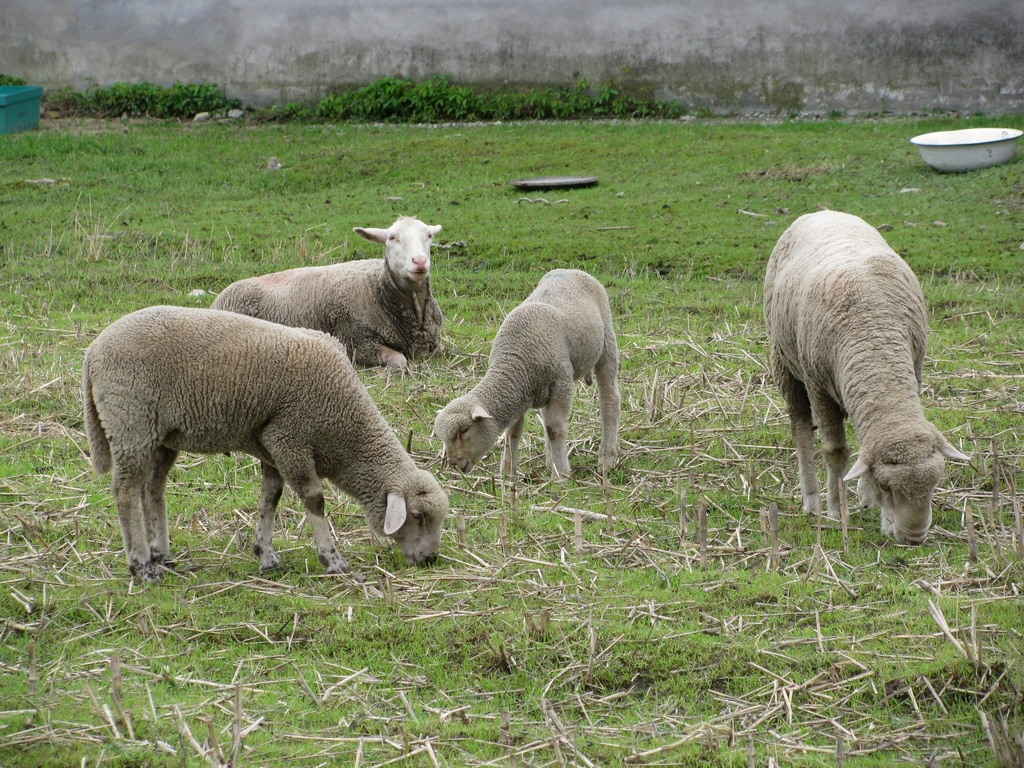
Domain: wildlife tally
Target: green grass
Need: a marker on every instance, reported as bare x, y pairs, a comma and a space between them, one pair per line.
526, 646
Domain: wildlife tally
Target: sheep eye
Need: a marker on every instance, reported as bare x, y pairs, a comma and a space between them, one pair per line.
884, 488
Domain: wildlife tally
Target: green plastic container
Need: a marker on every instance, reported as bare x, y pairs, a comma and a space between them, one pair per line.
19, 107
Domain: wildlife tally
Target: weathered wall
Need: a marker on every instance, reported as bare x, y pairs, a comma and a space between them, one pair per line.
727, 55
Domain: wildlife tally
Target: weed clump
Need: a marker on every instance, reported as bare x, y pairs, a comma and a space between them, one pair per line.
144, 100
394, 99
390, 100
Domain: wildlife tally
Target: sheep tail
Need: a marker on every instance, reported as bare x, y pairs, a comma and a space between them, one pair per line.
99, 445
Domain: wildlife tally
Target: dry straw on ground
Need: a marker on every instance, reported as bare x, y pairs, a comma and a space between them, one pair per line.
690, 440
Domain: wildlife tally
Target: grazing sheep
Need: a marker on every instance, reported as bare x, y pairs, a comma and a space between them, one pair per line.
846, 327
170, 379
561, 332
382, 310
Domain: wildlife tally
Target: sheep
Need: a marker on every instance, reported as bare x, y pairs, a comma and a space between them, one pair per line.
561, 333
168, 379
846, 326
382, 310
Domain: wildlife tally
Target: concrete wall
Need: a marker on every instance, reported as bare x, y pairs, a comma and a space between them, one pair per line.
725, 55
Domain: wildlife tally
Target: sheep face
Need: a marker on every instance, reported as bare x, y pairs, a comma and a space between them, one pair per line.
901, 484
414, 517
903, 493
406, 247
467, 430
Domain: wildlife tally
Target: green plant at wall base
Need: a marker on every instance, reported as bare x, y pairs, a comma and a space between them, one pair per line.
437, 99
390, 99
132, 99
8, 80
182, 100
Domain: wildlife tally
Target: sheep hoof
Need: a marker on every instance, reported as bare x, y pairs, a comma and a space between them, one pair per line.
269, 560
357, 577
606, 463
335, 563
148, 573
812, 506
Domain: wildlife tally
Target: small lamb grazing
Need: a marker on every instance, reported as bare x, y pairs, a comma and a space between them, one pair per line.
561, 332
168, 379
846, 327
382, 310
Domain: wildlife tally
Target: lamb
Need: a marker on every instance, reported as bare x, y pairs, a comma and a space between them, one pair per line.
561, 333
382, 310
846, 326
168, 379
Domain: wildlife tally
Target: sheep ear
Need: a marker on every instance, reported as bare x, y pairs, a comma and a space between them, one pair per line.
859, 468
394, 518
479, 412
950, 452
373, 234
434, 229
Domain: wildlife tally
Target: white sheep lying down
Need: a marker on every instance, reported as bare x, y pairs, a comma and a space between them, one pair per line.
382, 310
846, 327
562, 332
169, 379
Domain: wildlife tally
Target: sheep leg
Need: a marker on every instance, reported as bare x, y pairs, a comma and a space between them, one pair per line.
154, 505
802, 426
326, 552
511, 453
887, 522
272, 487
810, 491
391, 358
606, 372
834, 450
311, 492
555, 417
301, 475
127, 485
869, 496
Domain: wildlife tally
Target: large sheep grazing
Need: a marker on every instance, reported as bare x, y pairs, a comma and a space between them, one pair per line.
169, 379
561, 332
846, 327
382, 310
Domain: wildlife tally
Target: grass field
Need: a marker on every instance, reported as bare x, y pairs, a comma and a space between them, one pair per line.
564, 625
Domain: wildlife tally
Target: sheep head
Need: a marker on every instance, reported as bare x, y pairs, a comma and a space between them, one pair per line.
467, 430
406, 247
901, 481
415, 510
